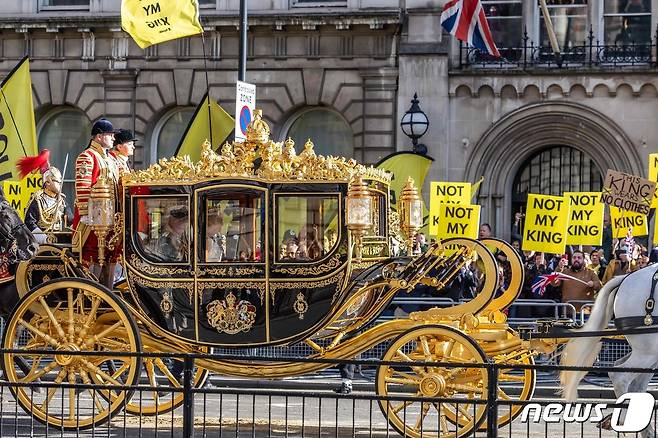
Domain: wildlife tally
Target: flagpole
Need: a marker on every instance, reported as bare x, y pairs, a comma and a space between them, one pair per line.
11, 115
242, 62
205, 69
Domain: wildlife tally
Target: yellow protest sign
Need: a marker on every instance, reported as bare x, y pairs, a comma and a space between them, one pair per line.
29, 185
13, 196
653, 176
585, 218
156, 21
622, 220
446, 193
546, 221
655, 234
458, 220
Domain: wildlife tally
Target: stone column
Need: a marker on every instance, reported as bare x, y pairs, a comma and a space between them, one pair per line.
379, 122
120, 88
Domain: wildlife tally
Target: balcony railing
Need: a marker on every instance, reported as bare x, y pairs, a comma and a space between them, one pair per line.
591, 54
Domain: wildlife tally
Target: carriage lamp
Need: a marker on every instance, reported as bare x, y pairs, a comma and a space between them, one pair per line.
101, 213
359, 212
414, 124
411, 213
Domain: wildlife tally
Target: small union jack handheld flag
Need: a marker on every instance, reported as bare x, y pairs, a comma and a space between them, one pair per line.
542, 281
629, 241
465, 20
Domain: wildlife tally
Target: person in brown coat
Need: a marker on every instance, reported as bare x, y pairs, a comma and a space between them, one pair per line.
575, 290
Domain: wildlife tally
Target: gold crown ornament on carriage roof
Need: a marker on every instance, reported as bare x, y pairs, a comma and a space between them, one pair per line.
279, 162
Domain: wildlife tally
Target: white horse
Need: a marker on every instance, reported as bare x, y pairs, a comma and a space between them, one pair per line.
626, 295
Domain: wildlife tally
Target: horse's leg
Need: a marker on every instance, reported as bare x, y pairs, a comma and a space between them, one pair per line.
641, 384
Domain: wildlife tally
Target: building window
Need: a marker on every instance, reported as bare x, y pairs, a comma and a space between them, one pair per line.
65, 132
627, 21
207, 3
317, 3
554, 171
64, 4
569, 18
330, 133
505, 22
168, 132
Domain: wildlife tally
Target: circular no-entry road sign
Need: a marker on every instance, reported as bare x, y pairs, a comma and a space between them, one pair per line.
245, 118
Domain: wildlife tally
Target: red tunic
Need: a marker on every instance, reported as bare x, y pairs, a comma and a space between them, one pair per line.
88, 167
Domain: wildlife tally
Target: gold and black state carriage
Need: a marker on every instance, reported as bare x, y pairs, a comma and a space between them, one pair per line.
255, 246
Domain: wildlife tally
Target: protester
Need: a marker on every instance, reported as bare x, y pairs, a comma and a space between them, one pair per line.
622, 264
596, 265
485, 231
574, 290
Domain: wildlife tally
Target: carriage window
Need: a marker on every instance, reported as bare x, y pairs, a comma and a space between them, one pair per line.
162, 228
307, 227
233, 228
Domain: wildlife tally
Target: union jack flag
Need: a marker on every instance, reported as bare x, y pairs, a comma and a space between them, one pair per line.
541, 282
465, 20
629, 241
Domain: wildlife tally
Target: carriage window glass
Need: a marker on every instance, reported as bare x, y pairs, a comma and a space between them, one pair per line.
162, 228
307, 227
233, 228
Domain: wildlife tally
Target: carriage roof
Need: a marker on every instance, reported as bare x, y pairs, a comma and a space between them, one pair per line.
258, 158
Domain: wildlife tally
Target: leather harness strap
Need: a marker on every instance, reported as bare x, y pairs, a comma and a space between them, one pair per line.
651, 302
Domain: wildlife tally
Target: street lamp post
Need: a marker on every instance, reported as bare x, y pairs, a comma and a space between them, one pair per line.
414, 124
242, 63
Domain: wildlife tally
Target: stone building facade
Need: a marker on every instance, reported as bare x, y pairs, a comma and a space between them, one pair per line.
344, 73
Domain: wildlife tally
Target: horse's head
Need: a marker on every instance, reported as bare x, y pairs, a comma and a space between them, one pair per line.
15, 239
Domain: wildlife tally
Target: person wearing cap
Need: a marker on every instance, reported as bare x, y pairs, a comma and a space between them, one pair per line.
93, 162
124, 148
173, 244
622, 264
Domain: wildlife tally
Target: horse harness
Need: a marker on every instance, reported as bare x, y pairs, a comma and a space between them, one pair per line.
651, 302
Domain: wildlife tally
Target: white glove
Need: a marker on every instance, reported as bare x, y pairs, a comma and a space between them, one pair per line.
84, 219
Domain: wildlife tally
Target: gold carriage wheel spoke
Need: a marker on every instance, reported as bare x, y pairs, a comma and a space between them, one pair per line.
95, 304
72, 396
96, 370
56, 324
464, 412
94, 394
114, 345
404, 375
51, 392
426, 348
511, 378
401, 381
465, 388
32, 376
95, 339
442, 417
150, 373
502, 394
417, 369
71, 319
402, 406
52, 341
122, 368
424, 409
162, 367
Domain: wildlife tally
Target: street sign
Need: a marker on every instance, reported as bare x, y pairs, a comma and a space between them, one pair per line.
245, 102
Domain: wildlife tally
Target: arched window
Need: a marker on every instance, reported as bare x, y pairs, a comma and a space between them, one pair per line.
168, 132
330, 133
64, 131
554, 171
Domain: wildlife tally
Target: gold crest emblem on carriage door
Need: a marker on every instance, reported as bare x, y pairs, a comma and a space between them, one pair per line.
300, 306
230, 317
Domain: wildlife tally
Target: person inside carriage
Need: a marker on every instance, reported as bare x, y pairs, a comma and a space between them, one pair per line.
173, 244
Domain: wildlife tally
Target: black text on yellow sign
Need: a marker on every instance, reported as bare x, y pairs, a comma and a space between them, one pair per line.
624, 220
585, 218
446, 193
458, 220
18, 193
653, 176
546, 220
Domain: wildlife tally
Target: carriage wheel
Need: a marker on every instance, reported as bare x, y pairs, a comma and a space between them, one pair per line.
71, 315
430, 419
159, 373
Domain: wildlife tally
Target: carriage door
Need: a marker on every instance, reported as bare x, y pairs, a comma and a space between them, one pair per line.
230, 282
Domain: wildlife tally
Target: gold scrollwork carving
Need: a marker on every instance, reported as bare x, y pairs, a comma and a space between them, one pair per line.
300, 306
338, 278
189, 287
45, 267
148, 268
330, 265
280, 162
232, 271
231, 317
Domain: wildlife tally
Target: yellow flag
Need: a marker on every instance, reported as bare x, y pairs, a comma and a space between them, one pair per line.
622, 220
546, 223
18, 136
155, 21
198, 129
653, 176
